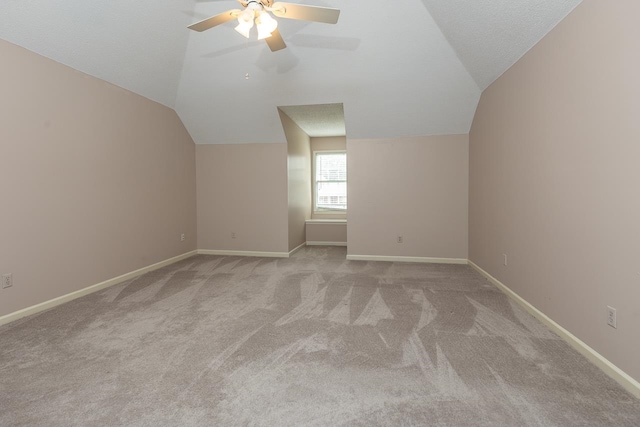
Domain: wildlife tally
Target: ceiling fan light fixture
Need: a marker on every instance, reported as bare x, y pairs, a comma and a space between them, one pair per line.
245, 22
243, 29
258, 13
263, 34
266, 25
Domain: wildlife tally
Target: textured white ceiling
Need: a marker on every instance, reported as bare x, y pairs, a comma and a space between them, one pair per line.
391, 67
318, 120
401, 68
491, 35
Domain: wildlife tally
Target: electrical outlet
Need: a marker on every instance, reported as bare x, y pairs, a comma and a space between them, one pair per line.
182, 237
611, 317
7, 280
399, 239
504, 261
233, 234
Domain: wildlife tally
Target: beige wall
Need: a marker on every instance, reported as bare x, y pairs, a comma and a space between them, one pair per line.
414, 187
95, 181
328, 143
555, 178
242, 189
326, 232
298, 179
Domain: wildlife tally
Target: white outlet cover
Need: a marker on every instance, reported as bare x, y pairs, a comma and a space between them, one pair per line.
7, 281
611, 317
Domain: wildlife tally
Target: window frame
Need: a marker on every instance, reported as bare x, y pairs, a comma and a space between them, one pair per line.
315, 207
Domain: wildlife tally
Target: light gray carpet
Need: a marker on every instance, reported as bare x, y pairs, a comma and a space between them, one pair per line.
313, 340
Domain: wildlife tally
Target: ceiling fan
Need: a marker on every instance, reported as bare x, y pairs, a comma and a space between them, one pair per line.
258, 11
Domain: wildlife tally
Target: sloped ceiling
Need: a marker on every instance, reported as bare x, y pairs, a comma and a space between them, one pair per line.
400, 68
491, 35
318, 120
138, 45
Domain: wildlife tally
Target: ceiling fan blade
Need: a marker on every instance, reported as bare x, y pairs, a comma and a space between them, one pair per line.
305, 13
215, 20
275, 42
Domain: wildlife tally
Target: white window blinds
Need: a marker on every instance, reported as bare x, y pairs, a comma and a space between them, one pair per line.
331, 181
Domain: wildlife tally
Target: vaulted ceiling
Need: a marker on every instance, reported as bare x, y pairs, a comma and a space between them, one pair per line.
400, 68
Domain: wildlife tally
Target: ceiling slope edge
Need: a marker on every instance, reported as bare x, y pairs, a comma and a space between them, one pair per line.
534, 43
141, 50
490, 37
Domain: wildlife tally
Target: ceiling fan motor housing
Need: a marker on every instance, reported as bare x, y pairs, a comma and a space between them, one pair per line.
263, 3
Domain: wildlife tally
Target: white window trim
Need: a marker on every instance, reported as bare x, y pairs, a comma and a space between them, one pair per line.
324, 211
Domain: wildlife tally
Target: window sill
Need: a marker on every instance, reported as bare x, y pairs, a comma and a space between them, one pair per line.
330, 211
326, 221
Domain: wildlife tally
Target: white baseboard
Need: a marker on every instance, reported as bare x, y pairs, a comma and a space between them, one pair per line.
296, 249
90, 289
596, 358
406, 259
257, 254
244, 253
326, 243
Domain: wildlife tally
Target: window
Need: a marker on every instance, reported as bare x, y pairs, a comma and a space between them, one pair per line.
330, 183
